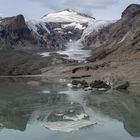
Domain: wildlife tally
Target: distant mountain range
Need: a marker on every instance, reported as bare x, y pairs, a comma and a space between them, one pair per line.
51, 32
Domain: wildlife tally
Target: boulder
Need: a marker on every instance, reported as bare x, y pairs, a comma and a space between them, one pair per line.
84, 84
78, 83
122, 86
99, 84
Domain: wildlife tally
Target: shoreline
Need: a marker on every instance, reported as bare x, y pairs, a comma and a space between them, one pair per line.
100, 70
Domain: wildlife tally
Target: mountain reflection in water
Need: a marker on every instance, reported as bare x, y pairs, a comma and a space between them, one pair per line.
51, 103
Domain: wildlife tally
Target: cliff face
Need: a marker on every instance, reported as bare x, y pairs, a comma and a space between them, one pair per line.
120, 40
14, 33
14, 24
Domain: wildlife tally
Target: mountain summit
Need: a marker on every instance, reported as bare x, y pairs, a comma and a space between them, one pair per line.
131, 11
67, 15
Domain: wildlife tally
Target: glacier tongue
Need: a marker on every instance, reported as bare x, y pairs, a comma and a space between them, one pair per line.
74, 51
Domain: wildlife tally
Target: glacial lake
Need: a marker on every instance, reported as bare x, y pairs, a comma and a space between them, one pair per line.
54, 111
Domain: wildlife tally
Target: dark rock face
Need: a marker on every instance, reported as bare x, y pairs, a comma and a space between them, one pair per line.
14, 33
14, 24
131, 11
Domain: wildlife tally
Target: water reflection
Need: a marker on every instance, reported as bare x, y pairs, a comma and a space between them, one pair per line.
22, 104
121, 106
19, 101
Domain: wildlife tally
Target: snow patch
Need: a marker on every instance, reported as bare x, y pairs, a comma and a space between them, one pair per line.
75, 25
45, 54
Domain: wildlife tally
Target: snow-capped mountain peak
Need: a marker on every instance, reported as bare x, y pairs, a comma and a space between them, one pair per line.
67, 16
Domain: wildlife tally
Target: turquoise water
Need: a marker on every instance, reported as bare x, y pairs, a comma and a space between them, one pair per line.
25, 111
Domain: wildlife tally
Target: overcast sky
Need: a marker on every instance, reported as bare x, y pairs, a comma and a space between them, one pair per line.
34, 9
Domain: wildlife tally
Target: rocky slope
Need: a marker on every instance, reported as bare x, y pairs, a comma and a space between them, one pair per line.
120, 40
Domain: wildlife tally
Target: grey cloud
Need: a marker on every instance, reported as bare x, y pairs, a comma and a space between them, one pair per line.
81, 5
100, 9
